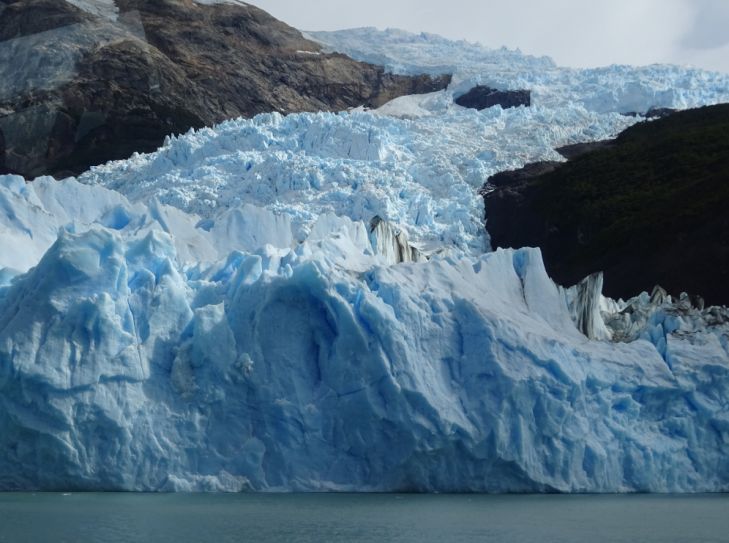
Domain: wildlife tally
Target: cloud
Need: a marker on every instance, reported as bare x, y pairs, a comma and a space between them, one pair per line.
573, 32
710, 29
706, 42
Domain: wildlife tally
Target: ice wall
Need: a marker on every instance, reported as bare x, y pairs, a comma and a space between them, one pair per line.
282, 370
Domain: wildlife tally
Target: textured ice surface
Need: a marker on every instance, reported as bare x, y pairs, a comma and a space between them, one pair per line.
224, 314
401, 51
422, 174
613, 88
418, 160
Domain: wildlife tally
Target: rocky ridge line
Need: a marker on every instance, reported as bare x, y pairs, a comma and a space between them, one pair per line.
79, 89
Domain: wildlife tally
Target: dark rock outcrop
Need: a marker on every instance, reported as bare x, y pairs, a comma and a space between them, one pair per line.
652, 113
2, 152
482, 97
570, 152
514, 178
78, 89
647, 209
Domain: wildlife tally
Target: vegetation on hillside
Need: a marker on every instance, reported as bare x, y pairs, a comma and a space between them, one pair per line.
651, 209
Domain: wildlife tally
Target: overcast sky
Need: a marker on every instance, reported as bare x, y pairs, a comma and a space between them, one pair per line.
573, 32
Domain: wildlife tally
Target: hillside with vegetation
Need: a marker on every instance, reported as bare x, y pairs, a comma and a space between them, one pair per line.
650, 208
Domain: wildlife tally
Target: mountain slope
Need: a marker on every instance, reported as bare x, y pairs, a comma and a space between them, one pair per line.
648, 209
80, 87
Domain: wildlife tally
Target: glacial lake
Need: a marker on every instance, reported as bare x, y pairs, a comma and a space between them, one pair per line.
200, 518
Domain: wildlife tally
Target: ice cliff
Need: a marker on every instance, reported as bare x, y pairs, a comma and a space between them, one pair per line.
308, 303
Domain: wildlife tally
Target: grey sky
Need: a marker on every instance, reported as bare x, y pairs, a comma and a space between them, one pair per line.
573, 32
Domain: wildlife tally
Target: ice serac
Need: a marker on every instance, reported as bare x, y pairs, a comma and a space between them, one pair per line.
391, 243
586, 303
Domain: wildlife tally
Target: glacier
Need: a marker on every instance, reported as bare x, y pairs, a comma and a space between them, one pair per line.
422, 174
616, 88
310, 302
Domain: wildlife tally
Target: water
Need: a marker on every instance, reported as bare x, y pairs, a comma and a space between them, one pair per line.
199, 518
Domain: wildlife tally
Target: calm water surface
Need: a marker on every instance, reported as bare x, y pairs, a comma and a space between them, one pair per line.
199, 518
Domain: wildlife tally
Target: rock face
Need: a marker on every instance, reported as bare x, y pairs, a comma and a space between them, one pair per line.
571, 152
482, 97
514, 178
80, 87
653, 113
648, 208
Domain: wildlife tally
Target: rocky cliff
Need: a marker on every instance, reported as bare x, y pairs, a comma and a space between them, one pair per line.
481, 97
648, 208
85, 82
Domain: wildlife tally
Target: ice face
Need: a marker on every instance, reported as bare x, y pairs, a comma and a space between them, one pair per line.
228, 314
288, 370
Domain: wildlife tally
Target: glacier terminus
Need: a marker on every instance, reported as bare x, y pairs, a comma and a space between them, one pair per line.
310, 302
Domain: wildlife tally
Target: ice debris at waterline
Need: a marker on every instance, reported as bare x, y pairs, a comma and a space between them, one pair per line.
304, 303
328, 366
